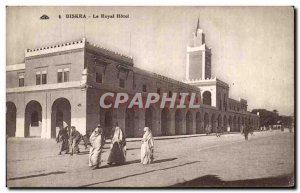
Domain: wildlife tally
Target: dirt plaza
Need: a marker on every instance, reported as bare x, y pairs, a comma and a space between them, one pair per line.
266, 159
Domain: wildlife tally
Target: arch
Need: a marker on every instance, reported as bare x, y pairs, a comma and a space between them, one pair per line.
178, 122
230, 123
206, 98
189, 122
165, 121
234, 124
33, 119
149, 117
60, 116
220, 121
256, 124
225, 124
198, 123
239, 124
108, 123
129, 122
213, 123
206, 120
11, 116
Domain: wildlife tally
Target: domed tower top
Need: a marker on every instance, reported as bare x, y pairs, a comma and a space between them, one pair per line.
199, 36
198, 57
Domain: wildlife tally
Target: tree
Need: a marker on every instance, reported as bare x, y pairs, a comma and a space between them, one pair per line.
266, 117
275, 111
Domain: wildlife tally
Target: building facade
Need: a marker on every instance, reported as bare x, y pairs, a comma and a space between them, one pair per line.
64, 83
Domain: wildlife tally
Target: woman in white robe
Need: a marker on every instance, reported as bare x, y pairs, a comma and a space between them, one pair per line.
147, 147
97, 142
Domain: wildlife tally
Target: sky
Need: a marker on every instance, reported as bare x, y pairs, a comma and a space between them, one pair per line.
252, 47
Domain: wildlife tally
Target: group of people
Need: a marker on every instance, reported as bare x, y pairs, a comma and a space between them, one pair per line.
117, 153
70, 138
219, 130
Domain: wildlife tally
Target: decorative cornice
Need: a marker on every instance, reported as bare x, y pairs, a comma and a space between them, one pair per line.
44, 87
207, 82
55, 54
198, 48
203, 47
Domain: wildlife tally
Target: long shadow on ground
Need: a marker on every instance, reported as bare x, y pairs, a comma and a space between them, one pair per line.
37, 175
214, 181
137, 161
142, 173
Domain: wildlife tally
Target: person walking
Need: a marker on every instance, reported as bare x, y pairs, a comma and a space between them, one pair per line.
147, 147
221, 130
86, 137
208, 129
75, 138
218, 131
117, 153
246, 131
62, 138
242, 129
97, 141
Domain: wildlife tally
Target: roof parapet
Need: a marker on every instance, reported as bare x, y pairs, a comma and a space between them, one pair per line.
200, 80
161, 77
242, 100
69, 46
55, 48
112, 51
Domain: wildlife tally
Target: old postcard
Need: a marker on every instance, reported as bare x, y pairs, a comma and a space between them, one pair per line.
150, 97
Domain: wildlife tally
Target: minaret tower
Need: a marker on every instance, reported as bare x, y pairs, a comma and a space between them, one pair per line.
214, 92
198, 57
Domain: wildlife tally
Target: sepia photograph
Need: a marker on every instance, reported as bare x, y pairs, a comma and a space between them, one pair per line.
150, 97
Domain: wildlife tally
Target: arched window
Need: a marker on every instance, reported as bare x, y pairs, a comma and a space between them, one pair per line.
207, 98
